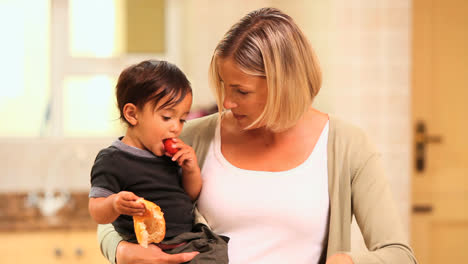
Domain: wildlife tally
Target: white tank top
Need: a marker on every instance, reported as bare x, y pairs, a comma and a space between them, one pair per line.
270, 217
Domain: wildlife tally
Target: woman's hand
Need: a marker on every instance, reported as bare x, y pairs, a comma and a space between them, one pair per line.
129, 253
340, 259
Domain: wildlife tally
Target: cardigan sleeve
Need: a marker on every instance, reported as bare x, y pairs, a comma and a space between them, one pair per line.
109, 240
377, 216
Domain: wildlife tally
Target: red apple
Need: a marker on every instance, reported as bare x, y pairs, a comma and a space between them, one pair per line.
170, 146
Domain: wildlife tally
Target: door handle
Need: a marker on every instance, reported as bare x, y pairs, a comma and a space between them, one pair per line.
421, 140
422, 208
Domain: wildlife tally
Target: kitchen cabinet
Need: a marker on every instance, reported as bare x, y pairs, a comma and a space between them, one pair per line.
51, 247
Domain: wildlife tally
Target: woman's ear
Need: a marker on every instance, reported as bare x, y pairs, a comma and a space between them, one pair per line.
130, 112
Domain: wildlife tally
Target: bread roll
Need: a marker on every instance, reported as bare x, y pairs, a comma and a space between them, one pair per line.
151, 227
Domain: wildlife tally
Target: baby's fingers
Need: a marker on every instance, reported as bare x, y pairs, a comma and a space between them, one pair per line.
132, 211
129, 196
181, 156
132, 204
133, 208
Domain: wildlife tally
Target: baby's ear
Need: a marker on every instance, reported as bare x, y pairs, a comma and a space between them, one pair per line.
130, 112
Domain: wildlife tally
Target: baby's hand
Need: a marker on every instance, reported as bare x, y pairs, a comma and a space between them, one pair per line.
126, 203
185, 156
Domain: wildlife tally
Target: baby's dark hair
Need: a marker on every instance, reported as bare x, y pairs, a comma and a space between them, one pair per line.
151, 80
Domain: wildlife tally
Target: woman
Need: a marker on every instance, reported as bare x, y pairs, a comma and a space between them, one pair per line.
280, 178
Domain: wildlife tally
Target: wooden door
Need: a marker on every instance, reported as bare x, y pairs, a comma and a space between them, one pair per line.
439, 228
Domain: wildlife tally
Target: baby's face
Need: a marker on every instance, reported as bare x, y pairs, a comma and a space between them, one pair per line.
155, 125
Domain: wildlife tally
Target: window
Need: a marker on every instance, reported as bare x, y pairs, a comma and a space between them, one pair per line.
63, 57
25, 64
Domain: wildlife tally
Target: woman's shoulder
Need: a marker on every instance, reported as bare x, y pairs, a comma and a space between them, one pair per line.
199, 126
345, 135
344, 129
205, 121
349, 144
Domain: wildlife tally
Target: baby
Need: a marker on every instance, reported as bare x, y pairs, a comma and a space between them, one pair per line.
154, 99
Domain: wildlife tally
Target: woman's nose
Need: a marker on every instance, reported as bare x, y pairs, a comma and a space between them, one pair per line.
228, 103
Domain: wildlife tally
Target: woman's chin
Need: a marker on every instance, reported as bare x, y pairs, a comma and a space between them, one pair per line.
242, 123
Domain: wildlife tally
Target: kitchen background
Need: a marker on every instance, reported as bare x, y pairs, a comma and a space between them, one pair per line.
60, 61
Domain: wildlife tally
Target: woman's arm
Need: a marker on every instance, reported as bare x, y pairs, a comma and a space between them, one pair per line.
121, 252
359, 187
377, 216
340, 258
109, 240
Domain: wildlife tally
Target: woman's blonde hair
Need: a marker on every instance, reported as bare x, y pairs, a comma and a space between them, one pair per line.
268, 43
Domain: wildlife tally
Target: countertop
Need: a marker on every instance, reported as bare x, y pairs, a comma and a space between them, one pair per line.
17, 215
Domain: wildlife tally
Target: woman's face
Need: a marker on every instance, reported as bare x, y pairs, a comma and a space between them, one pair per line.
245, 95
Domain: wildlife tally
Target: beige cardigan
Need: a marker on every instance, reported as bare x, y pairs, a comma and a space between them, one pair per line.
357, 186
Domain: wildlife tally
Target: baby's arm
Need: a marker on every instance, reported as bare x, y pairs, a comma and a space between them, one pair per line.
192, 182
105, 210
191, 176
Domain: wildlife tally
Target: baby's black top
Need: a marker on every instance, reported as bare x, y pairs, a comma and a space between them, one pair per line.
158, 179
